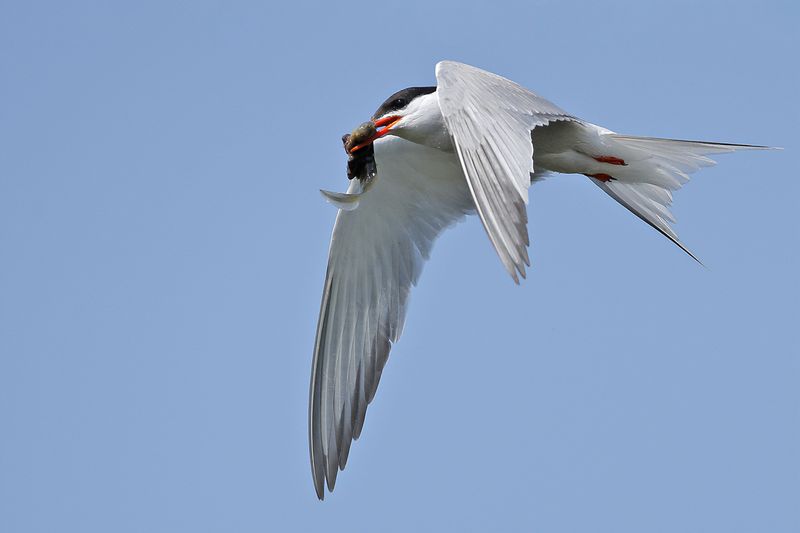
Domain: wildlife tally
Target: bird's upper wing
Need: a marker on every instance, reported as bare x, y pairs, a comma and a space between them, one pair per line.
490, 119
376, 255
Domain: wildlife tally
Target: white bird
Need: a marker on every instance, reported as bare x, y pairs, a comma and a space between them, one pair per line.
474, 143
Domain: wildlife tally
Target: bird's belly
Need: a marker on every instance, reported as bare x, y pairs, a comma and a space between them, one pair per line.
566, 162
568, 147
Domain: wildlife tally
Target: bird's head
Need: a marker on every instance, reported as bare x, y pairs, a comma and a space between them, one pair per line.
397, 115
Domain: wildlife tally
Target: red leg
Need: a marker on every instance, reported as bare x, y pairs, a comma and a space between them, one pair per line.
610, 159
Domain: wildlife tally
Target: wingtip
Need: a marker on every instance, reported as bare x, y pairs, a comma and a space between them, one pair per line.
321, 481
319, 485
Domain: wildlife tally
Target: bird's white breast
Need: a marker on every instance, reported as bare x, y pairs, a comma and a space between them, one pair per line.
406, 170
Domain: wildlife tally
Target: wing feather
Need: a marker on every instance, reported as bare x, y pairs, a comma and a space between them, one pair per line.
490, 119
376, 255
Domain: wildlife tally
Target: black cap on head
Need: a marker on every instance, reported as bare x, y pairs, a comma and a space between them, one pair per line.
401, 99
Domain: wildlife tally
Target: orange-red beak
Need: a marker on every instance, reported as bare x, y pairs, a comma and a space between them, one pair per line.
382, 125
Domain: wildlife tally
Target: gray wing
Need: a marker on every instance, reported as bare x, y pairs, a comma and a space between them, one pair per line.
490, 119
376, 255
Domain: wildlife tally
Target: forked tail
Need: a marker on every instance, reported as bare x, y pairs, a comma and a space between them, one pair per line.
641, 172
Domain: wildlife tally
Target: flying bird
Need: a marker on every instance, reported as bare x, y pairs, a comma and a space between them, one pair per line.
474, 143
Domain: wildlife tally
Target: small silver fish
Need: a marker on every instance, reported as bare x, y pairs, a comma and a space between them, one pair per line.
362, 134
360, 165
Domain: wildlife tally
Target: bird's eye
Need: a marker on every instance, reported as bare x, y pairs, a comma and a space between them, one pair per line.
399, 103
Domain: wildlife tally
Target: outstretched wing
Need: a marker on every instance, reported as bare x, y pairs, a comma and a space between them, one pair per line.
490, 119
376, 255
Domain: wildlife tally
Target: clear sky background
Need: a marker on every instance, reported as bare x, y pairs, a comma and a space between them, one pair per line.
163, 248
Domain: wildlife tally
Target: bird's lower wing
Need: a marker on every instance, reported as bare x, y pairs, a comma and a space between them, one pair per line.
490, 119
376, 255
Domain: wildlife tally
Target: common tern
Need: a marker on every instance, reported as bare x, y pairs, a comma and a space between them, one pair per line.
473, 143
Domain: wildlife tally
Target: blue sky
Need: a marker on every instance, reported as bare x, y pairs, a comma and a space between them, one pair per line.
163, 246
